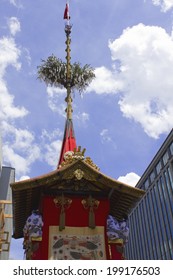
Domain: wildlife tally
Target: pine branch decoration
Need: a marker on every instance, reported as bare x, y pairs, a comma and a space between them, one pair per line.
53, 72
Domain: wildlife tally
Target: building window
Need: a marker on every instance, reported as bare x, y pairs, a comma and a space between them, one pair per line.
158, 167
146, 184
168, 187
171, 148
171, 177
167, 219
152, 176
165, 158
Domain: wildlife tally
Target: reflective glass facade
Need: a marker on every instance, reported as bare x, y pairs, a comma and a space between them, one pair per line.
151, 222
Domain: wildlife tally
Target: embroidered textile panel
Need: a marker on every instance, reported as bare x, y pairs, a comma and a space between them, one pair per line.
77, 243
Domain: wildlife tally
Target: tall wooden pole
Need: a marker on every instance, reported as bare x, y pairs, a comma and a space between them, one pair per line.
68, 99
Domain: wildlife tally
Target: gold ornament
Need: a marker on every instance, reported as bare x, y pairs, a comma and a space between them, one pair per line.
78, 173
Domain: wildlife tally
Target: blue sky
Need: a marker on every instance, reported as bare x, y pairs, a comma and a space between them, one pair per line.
125, 114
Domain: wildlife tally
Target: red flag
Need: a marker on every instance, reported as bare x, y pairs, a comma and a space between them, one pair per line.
66, 12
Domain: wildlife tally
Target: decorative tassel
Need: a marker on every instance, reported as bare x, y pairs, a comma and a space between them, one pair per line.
92, 204
63, 203
62, 219
91, 218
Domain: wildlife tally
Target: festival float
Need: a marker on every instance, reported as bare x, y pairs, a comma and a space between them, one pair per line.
74, 212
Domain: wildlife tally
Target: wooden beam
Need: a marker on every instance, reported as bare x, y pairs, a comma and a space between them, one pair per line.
8, 216
5, 202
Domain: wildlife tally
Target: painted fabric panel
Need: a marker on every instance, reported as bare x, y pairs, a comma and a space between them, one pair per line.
77, 243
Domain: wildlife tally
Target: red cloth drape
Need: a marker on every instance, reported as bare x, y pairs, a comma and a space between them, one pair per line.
69, 140
76, 215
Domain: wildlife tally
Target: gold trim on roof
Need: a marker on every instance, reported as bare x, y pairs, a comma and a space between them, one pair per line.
72, 156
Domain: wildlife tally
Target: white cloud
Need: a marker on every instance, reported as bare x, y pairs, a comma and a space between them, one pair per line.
16, 3
106, 81
24, 178
145, 55
19, 148
13, 2
129, 179
56, 98
47, 135
51, 146
53, 90
14, 25
105, 137
52, 153
142, 76
165, 5
27, 56
15, 160
9, 55
7, 108
82, 117
21, 161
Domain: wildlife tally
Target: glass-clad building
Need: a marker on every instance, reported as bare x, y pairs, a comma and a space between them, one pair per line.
151, 222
